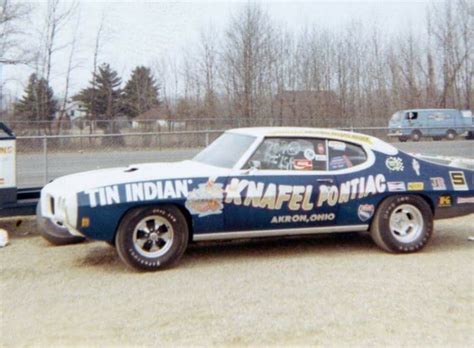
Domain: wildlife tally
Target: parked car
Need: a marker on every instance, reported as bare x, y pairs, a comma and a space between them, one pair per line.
435, 123
259, 182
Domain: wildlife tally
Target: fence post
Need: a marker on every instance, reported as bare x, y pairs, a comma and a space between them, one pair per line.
45, 158
207, 139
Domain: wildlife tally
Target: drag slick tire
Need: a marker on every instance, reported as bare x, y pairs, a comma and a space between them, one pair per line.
152, 238
402, 224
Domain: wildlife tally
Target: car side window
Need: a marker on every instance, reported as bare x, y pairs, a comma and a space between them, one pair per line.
344, 155
411, 115
290, 154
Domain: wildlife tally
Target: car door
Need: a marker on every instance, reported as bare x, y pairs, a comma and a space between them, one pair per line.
285, 184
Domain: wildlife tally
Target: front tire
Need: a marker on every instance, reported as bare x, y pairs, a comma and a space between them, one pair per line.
402, 139
152, 238
416, 135
402, 224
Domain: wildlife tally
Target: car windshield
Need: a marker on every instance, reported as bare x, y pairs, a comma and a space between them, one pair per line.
226, 150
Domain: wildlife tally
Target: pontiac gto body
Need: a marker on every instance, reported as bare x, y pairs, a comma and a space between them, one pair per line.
258, 182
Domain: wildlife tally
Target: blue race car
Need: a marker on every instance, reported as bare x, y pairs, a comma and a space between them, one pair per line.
258, 182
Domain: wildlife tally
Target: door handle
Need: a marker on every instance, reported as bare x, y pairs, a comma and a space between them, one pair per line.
325, 181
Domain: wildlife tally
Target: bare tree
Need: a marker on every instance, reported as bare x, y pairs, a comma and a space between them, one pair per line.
247, 56
72, 64
12, 32
57, 16
207, 66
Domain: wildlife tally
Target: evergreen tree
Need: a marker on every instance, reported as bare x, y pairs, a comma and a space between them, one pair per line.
37, 103
102, 99
140, 93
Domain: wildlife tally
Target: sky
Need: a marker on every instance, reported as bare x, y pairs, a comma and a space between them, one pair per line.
145, 32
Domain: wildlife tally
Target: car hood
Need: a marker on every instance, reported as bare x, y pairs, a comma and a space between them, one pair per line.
134, 173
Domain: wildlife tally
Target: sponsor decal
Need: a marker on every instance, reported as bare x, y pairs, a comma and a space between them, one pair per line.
302, 164
337, 145
333, 133
309, 154
445, 201
206, 199
137, 192
416, 166
7, 163
339, 162
465, 200
293, 148
438, 184
268, 196
303, 218
394, 164
298, 197
458, 180
416, 186
6, 150
365, 211
396, 186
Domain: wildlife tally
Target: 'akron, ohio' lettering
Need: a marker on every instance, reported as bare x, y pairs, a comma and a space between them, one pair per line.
136, 192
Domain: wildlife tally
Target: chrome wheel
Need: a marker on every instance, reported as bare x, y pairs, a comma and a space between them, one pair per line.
153, 236
406, 223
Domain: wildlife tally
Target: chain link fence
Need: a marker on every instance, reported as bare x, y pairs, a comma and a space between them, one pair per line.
42, 158
83, 126
45, 157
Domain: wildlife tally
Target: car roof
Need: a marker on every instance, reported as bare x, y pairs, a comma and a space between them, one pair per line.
428, 110
302, 132
329, 133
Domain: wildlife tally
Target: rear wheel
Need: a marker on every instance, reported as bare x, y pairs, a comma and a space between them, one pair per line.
451, 134
152, 238
402, 224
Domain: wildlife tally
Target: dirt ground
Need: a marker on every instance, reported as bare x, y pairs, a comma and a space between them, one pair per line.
331, 290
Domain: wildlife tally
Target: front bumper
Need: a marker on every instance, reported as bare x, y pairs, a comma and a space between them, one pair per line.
56, 234
395, 134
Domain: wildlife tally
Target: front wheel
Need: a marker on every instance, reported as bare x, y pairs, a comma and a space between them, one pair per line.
402, 139
416, 135
402, 224
152, 238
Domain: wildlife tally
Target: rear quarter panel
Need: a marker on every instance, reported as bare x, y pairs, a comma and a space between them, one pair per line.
448, 190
